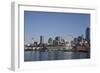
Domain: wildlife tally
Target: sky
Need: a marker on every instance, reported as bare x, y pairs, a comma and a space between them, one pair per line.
52, 24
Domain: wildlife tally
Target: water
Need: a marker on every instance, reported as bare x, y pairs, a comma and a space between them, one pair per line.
53, 55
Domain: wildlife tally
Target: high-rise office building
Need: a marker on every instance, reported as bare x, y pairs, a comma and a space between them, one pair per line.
87, 33
50, 41
58, 40
41, 39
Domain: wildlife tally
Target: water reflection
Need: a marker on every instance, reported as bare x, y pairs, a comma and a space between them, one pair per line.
53, 55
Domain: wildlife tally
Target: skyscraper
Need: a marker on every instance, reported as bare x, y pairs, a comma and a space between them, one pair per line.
58, 40
87, 33
41, 39
50, 41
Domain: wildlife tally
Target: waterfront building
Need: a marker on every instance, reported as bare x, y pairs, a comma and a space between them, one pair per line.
35, 43
32, 40
55, 43
79, 38
63, 42
41, 40
50, 41
68, 45
87, 33
57, 40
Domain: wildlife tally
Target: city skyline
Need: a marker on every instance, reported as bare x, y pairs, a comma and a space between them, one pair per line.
51, 24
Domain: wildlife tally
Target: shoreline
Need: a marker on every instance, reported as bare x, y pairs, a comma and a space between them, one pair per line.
57, 50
